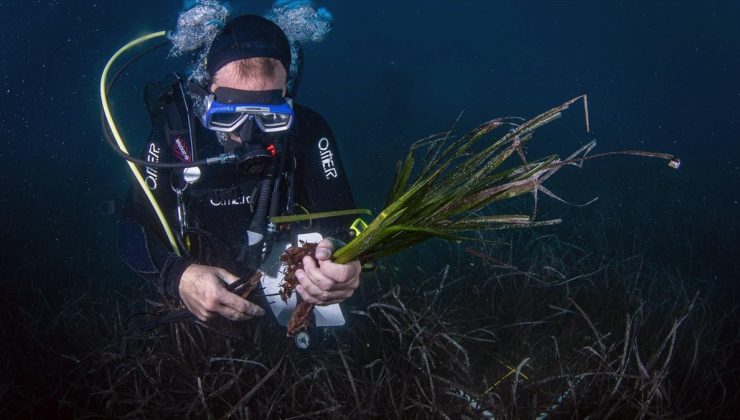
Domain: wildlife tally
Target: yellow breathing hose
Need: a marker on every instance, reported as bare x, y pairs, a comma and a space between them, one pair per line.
119, 139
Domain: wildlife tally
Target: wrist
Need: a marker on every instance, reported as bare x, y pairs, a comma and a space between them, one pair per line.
174, 275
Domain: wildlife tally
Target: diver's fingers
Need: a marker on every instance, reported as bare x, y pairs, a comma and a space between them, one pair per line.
344, 275
329, 275
202, 312
239, 304
226, 276
324, 249
232, 314
312, 273
312, 294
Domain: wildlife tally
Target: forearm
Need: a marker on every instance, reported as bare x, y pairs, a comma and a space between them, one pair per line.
149, 258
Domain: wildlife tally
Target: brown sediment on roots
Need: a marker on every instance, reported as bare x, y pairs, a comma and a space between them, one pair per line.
293, 260
300, 319
251, 284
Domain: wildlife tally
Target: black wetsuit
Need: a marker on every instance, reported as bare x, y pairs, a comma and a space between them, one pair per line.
220, 204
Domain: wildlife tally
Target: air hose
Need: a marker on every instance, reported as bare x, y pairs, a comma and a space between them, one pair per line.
119, 140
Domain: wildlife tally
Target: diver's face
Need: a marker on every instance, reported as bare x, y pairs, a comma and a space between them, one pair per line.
229, 77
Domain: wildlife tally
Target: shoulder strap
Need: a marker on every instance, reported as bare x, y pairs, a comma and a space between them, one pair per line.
170, 112
173, 126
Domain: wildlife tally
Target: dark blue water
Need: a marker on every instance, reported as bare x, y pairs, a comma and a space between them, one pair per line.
660, 76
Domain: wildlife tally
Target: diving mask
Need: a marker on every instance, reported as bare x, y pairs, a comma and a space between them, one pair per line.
226, 110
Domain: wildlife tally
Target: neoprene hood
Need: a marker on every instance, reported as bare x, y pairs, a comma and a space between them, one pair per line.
248, 36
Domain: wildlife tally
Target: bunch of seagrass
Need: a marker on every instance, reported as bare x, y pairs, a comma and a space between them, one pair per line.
442, 200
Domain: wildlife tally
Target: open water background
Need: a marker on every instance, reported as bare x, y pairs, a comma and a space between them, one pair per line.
661, 76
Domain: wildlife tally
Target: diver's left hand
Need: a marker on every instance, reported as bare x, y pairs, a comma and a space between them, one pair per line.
327, 282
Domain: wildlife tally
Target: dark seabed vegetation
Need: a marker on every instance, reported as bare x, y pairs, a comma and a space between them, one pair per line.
627, 309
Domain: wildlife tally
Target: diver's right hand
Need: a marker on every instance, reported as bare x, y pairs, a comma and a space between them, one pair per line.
203, 293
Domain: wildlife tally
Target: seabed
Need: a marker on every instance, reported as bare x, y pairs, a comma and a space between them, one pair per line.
536, 327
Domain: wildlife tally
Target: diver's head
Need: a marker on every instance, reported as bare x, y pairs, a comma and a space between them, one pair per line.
248, 36
250, 80
253, 74
248, 62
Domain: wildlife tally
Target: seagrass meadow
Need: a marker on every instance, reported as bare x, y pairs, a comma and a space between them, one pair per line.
518, 274
521, 329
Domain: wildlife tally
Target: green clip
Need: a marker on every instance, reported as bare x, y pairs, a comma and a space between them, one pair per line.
358, 226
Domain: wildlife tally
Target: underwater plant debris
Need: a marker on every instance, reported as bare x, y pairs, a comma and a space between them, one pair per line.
443, 199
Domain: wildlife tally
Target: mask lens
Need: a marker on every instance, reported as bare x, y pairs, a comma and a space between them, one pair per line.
227, 119
274, 122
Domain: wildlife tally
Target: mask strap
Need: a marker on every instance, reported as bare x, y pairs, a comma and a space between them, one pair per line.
198, 90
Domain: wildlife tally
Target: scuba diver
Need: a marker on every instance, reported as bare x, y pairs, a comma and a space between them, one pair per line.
277, 158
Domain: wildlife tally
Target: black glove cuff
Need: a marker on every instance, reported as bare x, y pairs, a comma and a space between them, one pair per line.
172, 275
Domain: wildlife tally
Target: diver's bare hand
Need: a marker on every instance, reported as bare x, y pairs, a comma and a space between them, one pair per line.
203, 293
327, 282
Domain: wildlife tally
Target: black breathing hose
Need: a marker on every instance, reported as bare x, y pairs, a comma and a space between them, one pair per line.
268, 201
259, 218
275, 201
109, 136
